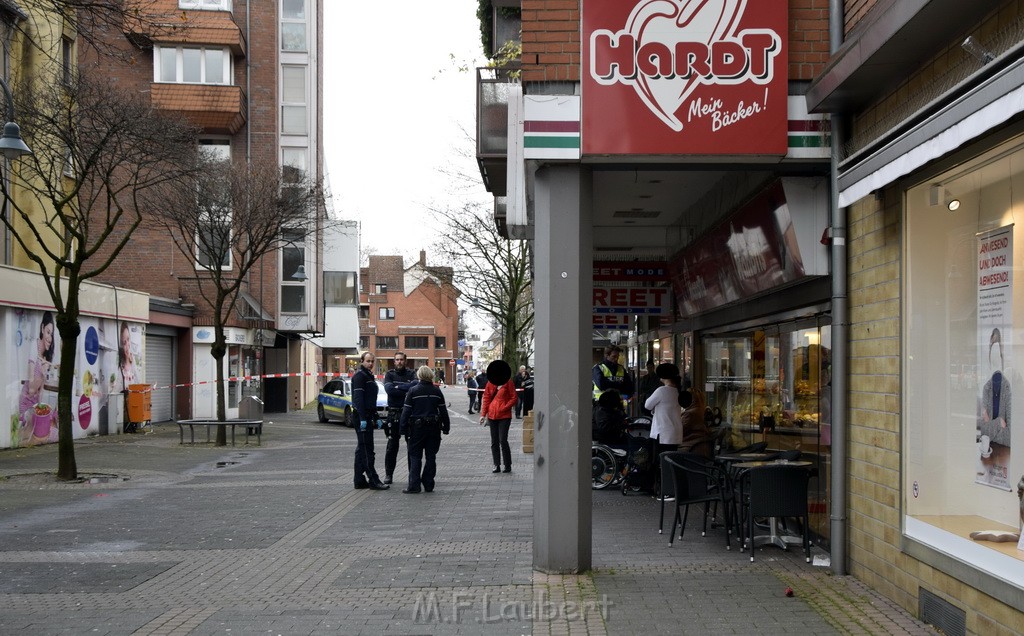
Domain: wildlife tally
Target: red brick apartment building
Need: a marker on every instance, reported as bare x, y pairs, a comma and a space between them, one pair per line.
412, 309
248, 74
890, 176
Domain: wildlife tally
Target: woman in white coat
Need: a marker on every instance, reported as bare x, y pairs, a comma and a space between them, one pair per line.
667, 421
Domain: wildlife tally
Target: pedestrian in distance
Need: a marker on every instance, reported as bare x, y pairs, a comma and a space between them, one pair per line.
481, 384
471, 389
528, 393
364, 401
424, 420
496, 411
397, 382
521, 377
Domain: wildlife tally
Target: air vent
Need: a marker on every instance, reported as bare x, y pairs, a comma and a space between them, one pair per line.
948, 618
636, 214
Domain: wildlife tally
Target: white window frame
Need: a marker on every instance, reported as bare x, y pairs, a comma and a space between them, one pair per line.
227, 70
304, 22
219, 143
206, 5
303, 105
288, 243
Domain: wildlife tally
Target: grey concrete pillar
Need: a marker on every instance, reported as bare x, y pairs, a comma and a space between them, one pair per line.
563, 300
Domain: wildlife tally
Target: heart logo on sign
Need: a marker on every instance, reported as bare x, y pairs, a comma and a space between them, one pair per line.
669, 22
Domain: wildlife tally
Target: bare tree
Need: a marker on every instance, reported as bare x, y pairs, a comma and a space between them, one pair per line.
495, 272
102, 156
226, 220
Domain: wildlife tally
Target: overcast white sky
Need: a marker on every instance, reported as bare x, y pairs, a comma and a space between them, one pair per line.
393, 105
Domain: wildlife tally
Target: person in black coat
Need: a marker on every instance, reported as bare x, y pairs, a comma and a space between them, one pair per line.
471, 389
481, 384
364, 401
397, 382
424, 419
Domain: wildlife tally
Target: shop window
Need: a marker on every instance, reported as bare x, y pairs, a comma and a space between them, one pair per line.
961, 332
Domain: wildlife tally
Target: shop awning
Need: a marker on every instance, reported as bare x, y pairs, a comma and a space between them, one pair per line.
987, 106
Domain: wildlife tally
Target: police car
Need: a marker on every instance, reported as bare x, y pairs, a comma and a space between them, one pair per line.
335, 402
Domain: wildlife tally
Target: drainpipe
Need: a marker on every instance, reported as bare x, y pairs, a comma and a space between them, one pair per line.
840, 324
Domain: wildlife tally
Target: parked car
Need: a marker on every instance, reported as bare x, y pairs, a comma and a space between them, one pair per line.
335, 402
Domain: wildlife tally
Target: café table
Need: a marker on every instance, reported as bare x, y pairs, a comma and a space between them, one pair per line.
774, 537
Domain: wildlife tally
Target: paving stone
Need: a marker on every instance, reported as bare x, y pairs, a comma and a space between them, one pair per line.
172, 539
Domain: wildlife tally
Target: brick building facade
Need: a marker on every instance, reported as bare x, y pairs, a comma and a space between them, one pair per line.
255, 97
412, 309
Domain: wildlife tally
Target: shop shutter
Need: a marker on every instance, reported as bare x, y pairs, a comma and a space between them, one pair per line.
160, 371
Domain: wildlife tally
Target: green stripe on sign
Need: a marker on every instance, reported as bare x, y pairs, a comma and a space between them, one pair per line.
551, 142
807, 141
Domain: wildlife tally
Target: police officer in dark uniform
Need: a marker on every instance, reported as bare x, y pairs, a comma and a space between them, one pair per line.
397, 382
364, 400
424, 419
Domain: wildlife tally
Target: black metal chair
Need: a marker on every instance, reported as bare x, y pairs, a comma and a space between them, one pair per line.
666, 487
778, 490
696, 480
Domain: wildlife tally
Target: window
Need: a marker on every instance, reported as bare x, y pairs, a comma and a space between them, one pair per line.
293, 25
961, 325
387, 342
340, 288
380, 288
192, 65
293, 279
293, 100
67, 60
440, 342
294, 162
416, 342
386, 313
364, 312
213, 240
212, 5
364, 343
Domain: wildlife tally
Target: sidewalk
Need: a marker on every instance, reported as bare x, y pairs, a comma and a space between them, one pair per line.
168, 539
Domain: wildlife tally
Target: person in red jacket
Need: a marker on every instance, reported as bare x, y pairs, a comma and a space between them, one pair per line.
496, 411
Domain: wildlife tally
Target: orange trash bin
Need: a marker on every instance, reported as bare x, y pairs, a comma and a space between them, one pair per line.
139, 403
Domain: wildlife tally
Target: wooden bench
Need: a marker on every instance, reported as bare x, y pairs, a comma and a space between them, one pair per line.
252, 427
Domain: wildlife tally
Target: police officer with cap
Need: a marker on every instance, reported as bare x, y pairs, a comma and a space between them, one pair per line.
397, 383
424, 419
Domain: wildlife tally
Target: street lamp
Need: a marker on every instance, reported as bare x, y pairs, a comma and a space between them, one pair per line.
11, 144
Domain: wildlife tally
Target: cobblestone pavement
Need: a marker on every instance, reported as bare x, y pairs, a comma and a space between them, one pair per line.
160, 538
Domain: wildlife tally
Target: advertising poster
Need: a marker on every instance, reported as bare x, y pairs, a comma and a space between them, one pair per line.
997, 377
36, 362
109, 352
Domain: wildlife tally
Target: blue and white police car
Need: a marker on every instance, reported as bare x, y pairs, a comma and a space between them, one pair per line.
335, 402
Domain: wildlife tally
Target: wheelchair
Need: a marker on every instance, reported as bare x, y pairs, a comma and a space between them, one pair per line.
624, 467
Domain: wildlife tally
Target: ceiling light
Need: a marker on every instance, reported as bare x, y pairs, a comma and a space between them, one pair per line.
953, 205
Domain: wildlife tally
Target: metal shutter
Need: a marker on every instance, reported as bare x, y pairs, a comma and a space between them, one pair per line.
160, 371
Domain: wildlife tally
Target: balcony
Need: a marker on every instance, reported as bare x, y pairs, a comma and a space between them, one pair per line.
492, 94
214, 109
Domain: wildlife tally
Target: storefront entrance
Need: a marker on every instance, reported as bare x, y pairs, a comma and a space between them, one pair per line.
773, 384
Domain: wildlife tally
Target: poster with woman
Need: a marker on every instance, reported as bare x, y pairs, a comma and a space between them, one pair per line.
36, 357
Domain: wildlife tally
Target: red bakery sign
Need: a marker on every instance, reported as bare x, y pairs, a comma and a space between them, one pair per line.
695, 77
